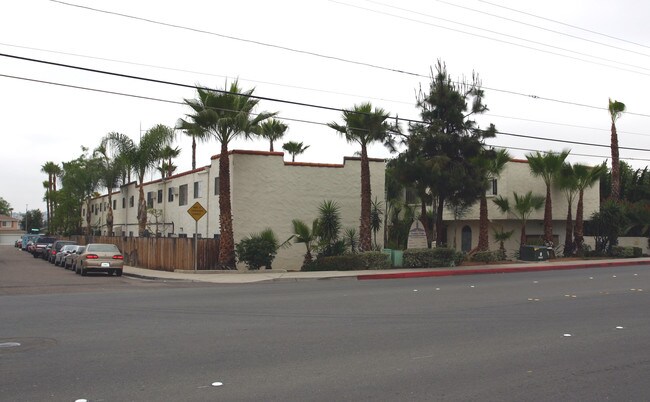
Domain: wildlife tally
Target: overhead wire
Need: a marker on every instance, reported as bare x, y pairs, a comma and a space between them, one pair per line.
564, 23
401, 71
287, 118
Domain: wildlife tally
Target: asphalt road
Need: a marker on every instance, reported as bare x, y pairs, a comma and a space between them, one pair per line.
469, 338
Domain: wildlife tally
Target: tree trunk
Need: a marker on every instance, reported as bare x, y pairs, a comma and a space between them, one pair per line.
578, 233
440, 228
193, 153
483, 238
271, 147
365, 239
548, 216
616, 167
109, 214
226, 239
142, 208
424, 219
522, 238
568, 239
88, 217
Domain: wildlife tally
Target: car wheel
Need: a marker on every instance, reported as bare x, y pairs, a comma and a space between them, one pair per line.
84, 271
118, 272
34, 255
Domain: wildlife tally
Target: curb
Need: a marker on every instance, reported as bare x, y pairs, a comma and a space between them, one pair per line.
503, 270
155, 278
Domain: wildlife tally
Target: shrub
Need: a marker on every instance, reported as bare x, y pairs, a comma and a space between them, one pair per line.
375, 260
638, 252
258, 250
431, 257
488, 256
347, 262
622, 252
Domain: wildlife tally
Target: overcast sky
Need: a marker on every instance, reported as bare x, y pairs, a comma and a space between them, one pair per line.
539, 76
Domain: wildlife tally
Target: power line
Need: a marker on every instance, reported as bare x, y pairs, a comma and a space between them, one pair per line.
534, 26
503, 41
288, 49
348, 60
298, 120
571, 154
302, 88
564, 23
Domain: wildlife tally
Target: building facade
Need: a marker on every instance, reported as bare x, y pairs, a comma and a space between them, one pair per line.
9, 230
266, 192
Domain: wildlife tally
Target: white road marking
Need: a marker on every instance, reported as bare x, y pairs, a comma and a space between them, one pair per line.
217, 384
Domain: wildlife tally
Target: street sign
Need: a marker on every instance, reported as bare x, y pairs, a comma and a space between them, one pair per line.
197, 211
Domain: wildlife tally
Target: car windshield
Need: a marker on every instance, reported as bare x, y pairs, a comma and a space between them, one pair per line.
45, 240
68, 248
107, 248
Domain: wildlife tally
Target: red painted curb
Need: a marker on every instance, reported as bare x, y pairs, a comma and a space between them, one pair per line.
502, 270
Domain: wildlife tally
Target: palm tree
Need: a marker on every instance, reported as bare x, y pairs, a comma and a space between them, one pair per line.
225, 114
166, 155
502, 236
303, 234
615, 109
568, 183
547, 166
376, 220
493, 168
196, 133
53, 171
523, 207
586, 177
294, 148
143, 157
364, 126
110, 176
272, 130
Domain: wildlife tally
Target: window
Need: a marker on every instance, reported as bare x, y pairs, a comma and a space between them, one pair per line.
150, 199
411, 196
5, 224
92, 208
131, 201
114, 204
160, 196
182, 195
198, 193
216, 186
170, 194
492, 187
123, 202
83, 212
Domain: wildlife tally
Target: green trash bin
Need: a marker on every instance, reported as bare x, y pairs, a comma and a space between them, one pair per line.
398, 258
389, 253
533, 253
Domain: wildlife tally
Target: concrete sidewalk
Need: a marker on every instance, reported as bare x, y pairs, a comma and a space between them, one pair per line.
262, 275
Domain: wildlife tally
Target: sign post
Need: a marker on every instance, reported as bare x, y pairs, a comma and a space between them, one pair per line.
196, 211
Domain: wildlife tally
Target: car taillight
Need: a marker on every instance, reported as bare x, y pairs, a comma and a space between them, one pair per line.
53, 252
118, 257
92, 257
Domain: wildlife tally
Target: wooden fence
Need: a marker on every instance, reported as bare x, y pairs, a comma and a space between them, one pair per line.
161, 253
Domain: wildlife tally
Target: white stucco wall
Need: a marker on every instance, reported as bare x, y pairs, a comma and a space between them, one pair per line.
266, 192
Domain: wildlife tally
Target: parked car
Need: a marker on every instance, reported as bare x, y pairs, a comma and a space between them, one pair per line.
26, 240
100, 257
56, 247
70, 260
46, 253
38, 248
18, 243
65, 250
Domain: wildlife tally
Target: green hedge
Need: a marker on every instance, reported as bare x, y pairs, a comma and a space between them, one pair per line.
488, 256
626, 252
350, 262
432, 257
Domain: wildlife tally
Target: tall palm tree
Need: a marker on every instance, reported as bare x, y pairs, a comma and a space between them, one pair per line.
225, 114
294, 148
615, 109
52, 170
492, 168
586, 177
366, 126
547, 166
196, 133
272, 130
522, 208
143, 157
111, 174
166, 155
568, 182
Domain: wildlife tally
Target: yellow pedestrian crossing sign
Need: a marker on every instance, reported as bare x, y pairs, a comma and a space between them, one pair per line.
197, 211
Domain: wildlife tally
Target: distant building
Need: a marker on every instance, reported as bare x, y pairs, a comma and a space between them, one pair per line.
9, 230
266, 192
